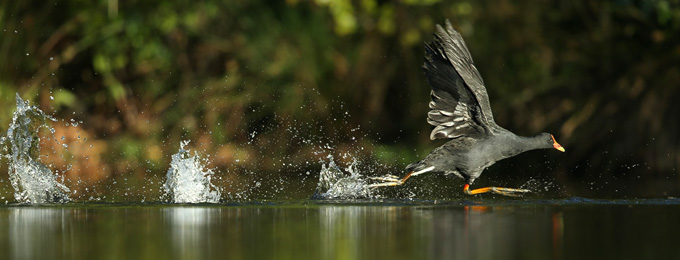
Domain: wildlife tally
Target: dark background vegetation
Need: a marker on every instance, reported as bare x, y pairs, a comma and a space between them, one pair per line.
270, 88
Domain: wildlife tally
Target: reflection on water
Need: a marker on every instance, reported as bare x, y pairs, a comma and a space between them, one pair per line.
190, 228
462, 231
26, 228
468, 232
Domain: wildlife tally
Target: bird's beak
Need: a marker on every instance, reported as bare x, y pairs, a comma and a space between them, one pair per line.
556, 145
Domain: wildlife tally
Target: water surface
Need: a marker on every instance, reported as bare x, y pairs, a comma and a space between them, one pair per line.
562, 229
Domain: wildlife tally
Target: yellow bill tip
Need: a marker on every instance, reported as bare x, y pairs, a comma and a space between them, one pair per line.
556, 145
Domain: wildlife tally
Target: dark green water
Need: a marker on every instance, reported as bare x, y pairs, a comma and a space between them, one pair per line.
557, 229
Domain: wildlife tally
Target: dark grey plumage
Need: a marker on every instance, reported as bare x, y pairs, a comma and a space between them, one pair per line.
460, 110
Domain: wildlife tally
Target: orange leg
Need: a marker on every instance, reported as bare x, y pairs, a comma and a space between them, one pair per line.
406, 177
498, 190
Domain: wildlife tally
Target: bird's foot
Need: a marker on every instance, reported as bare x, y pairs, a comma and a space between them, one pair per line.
510, 192
391, 180
386, 181
386, 177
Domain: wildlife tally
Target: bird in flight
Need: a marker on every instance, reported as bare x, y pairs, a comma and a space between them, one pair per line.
460, 111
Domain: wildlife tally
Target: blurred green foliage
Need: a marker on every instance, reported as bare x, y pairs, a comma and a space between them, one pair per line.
262, 84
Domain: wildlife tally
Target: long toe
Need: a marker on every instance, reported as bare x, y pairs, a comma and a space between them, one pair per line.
386, 178
384, 184
510, 192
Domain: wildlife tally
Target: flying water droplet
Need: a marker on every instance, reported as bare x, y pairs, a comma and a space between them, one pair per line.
188, 181
33, 182
335, 184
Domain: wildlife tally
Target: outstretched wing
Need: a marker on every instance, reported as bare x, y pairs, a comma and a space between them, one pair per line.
460, 105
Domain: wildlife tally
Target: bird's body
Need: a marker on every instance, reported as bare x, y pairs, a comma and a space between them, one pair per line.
460, 110
467, 157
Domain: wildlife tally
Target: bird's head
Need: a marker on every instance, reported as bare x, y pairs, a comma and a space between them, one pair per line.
548, 141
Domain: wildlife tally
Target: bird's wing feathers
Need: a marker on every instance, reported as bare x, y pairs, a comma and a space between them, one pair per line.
460, 105
449, 110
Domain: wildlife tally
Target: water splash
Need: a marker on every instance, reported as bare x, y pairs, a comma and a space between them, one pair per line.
32, 181
334, 184
188, 181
